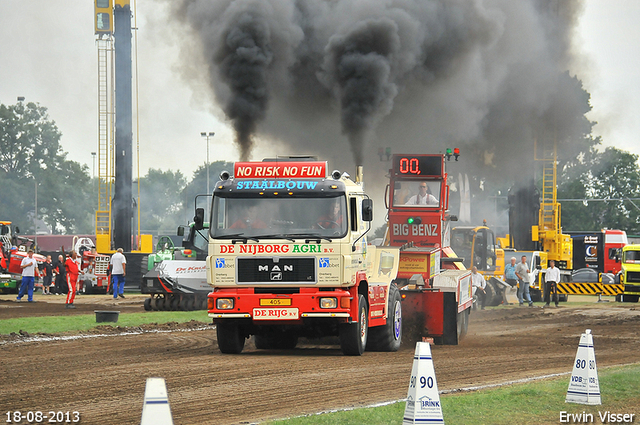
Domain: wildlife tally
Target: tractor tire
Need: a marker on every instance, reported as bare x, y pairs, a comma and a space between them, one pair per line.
190, 301
353, 336
154, 303
147, 304
389, 336
230, 338
175, 303
493, 297
166, 303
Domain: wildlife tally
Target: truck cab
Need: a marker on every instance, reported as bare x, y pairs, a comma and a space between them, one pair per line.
629, 274
288, 257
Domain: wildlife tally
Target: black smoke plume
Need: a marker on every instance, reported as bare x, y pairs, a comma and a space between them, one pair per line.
326, 77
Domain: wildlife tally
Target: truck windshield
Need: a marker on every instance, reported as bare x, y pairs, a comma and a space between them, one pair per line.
275, 218
409, 193
631, 257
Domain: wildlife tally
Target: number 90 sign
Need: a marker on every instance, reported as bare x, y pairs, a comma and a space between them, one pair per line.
425, 381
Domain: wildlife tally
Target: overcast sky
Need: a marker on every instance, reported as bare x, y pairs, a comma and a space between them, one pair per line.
48, 55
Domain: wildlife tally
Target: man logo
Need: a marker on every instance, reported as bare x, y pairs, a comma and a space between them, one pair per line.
275, 268
324, 262
276, 275
220, 263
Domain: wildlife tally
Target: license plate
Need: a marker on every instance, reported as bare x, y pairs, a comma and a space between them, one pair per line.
275, 314
275, 301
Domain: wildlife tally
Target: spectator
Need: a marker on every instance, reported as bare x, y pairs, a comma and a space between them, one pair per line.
510, 273
48, 276
118, 272
71, 267
29, 271
551, 279
479, 286
61, 276
522, 271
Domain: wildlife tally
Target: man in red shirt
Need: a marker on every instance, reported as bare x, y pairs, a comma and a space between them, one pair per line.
72, 277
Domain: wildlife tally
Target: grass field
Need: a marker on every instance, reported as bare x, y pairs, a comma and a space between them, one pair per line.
59, 324
534, 403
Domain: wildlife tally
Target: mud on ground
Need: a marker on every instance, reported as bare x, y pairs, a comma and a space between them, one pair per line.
103, 374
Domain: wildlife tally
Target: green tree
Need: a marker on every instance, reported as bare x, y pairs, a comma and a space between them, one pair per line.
610, 178
198, 186
30, 152
161, 202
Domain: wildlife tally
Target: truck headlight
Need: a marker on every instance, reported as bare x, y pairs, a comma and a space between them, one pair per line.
328, 302
224, 303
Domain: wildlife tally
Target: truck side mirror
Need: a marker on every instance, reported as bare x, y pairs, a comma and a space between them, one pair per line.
17, 230
367, 210
198, 220
180, 231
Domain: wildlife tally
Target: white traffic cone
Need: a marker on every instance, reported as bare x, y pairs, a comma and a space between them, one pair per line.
584, 387
423, 400
156, 409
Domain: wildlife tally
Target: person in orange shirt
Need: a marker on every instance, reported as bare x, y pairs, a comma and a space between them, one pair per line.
71, 267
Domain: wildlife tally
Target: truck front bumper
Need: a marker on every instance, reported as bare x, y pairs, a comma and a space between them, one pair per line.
244, 303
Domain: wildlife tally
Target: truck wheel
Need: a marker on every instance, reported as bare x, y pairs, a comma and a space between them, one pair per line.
87, 288
230, 338
389, 336
147, 304
353, 336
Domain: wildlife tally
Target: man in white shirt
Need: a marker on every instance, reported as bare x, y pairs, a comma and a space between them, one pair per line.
29, 271
478, 284
118, 272
551, 279
424, 196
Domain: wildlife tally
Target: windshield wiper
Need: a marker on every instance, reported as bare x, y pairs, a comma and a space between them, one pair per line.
239, 236
279, 236
310, 237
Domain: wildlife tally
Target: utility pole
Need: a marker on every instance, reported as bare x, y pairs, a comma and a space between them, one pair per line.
207, 136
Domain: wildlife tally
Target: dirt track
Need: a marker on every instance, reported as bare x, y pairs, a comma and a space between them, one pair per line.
103, 377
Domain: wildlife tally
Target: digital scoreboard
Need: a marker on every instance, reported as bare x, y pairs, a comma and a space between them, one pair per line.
418, 165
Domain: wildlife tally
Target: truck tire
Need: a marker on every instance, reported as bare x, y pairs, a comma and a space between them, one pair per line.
389, 336
147, 304
230, 338
87, 288
353, 336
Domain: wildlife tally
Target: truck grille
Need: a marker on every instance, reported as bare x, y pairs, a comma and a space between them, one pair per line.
284, 270
633, 277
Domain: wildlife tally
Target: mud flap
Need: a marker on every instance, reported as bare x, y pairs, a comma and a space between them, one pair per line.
450, 319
